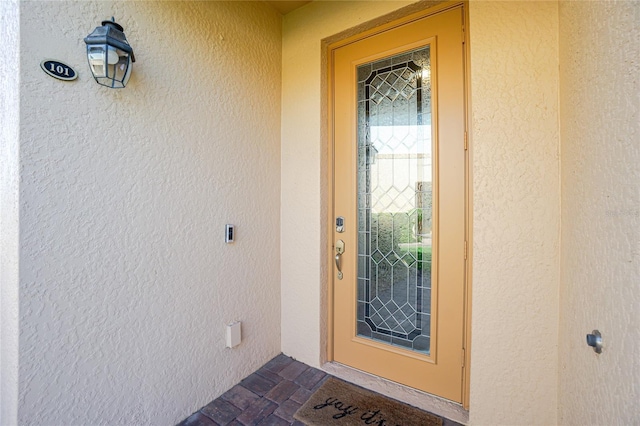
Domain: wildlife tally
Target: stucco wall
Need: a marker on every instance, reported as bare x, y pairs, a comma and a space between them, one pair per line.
600, 111
9, 178
126, 283
516, 212
514, 93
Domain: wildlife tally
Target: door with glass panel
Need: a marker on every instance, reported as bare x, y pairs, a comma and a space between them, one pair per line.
399, 204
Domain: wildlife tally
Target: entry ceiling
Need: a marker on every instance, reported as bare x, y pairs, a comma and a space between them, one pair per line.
285, 7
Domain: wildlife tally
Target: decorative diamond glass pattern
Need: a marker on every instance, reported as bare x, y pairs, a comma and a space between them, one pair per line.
395, 200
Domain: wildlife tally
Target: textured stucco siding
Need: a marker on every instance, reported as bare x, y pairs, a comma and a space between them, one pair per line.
600, 133
113, 206
516, 212
9, 196
126, 283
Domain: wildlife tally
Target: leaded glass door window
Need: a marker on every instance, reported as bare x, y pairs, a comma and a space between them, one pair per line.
398, 188
395, 181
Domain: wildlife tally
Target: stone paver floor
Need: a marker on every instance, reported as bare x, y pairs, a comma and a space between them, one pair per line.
268, 397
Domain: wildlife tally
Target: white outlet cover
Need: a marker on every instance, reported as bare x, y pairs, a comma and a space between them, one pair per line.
234, 334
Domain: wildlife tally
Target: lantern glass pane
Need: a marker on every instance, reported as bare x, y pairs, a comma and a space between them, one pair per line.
96, 56
127, 73
121, 67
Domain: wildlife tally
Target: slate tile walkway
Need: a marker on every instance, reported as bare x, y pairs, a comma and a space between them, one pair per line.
268, 397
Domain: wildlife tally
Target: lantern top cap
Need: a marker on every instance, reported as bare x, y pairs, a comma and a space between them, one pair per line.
112, 23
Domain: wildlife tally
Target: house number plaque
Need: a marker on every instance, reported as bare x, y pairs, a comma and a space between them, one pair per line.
59, 70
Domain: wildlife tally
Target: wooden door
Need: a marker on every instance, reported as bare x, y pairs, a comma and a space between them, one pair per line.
399, 193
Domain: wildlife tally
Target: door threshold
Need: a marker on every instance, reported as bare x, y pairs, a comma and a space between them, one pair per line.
425, 401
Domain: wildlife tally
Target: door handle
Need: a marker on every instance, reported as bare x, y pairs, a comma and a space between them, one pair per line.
339, 251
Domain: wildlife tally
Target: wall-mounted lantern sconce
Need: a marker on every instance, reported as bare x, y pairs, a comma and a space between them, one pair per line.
110, 55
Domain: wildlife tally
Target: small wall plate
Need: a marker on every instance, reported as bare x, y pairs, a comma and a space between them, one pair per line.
230, 234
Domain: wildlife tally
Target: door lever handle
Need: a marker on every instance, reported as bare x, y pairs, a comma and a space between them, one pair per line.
339, 251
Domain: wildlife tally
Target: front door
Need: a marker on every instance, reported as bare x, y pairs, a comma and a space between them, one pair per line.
399, 204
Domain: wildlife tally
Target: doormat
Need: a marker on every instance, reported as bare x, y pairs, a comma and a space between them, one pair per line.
342, 404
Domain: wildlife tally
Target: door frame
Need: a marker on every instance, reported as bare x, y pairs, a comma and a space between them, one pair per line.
327, 108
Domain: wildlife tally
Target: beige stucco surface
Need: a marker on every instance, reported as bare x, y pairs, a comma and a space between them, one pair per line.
114, 205
516, 212
126, 283
600, 112
9, 178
